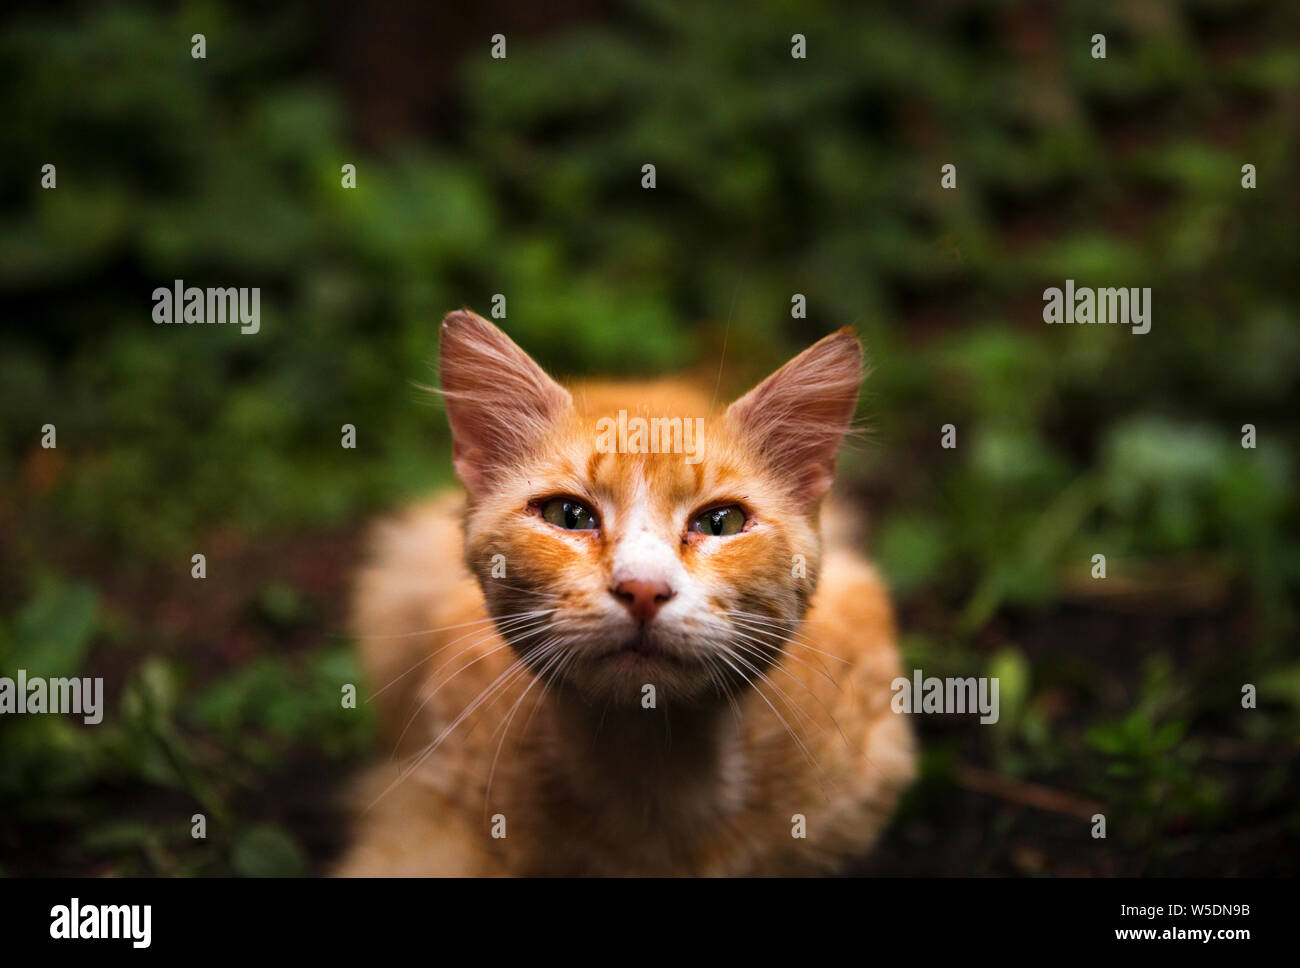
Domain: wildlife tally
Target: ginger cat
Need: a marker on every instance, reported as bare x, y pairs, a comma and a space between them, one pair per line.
638, 662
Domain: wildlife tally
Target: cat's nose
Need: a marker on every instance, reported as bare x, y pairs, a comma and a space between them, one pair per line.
642, 598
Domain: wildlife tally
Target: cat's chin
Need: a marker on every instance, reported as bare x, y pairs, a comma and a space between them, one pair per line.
641, 661
625, 669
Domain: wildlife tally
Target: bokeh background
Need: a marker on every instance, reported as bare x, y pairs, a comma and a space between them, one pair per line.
776, 176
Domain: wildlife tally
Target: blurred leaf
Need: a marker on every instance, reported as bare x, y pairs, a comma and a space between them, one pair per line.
267, 851
54, 629
1009, 668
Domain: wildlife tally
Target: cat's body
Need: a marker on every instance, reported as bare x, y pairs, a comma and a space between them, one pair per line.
672, 701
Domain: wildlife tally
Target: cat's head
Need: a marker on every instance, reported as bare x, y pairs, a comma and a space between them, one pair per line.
609, 566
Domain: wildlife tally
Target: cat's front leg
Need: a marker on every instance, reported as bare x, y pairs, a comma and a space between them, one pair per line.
408, 830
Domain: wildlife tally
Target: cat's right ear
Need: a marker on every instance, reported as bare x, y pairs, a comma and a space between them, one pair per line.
500, 403
798, 415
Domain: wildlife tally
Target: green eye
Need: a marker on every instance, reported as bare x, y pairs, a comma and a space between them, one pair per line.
720, 522
566, 513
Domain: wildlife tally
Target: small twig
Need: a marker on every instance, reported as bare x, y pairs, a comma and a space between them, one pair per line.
1236, 750
1028, 794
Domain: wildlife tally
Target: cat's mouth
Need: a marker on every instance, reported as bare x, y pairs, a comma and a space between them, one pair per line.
643, 646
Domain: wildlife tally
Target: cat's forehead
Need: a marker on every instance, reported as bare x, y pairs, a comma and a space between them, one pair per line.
651, 445
664, 482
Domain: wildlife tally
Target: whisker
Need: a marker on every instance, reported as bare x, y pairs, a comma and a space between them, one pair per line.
752, 616
448, 628
556, 655
798, 710
521, 617
554, 676
807, 688
718, 678
744, 631
469, 710
509, 639
498, 583
794, 638
791, 626
429, 696
812, 760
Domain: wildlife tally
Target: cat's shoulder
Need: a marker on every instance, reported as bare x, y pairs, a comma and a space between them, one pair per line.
851, 608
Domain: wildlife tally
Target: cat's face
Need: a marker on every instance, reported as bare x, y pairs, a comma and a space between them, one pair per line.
611, 567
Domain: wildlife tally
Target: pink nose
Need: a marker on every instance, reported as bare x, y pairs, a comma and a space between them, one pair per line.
642, 598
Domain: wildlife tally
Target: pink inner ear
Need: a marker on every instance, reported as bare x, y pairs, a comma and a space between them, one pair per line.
798, 415
500, 403
470, 468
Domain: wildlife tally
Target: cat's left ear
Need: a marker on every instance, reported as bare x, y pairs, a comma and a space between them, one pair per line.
500, 404
797, 417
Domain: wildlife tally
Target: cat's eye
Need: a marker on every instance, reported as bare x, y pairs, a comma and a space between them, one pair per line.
571, 515
720, 522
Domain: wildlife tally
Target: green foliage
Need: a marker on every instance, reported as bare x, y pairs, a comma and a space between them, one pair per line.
209, 744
